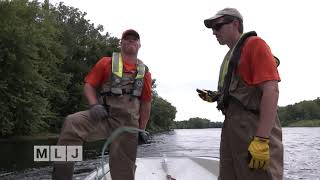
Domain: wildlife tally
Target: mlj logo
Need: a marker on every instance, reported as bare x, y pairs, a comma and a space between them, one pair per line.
57, 153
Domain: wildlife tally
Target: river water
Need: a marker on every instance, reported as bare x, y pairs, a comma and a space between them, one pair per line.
301, 157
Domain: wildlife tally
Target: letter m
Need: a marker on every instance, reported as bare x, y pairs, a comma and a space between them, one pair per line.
41, 153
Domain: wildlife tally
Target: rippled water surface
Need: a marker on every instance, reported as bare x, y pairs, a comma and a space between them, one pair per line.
302, 153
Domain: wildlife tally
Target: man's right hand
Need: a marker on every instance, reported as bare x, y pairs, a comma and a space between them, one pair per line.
207, 95
259, 153
98, 112
143, 138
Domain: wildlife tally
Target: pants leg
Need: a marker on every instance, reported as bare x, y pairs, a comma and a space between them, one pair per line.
78, 128
123, 152
226, 169
75, 130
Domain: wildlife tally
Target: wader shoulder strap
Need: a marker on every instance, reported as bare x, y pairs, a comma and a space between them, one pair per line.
117, 64
233, 62
138, 83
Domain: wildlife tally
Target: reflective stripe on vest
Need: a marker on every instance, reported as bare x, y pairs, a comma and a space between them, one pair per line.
117, 64
116, 76
223, 70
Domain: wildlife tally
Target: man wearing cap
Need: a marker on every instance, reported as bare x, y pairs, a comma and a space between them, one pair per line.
251, 138
124, 100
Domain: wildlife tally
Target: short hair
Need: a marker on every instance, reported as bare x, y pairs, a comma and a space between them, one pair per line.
232, 18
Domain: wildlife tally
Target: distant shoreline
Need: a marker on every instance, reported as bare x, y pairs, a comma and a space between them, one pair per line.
47, 136
52, 136
305, 123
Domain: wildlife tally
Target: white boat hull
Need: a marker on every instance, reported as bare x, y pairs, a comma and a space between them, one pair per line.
186, 168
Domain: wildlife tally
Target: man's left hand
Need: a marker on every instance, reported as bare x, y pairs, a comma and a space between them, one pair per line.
207, 95
258, 153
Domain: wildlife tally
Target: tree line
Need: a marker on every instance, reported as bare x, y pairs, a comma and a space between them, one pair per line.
45, 52
301, 114
196, 123
304, 113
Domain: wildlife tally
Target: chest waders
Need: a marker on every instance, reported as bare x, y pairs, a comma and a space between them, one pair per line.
120, 95
240, 104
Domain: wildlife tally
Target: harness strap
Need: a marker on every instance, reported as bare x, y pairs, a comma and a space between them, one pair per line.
234, 60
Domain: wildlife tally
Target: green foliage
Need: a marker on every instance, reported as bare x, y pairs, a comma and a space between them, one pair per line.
197, 123
29, 58
305, 110
162, 114
306, 123
45, 52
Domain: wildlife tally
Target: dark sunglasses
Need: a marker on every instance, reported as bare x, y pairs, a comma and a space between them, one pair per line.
218, 26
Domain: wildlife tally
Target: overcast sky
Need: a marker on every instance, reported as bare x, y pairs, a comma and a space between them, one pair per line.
184, 55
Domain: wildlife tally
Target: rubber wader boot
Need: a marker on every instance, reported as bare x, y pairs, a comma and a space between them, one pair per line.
62, 171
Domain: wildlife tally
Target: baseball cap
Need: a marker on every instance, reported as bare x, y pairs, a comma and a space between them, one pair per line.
226, 11
130, 32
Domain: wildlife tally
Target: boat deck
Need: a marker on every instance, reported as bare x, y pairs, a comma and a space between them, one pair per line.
186, 168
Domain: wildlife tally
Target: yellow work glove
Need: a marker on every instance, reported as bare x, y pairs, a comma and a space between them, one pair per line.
259, 154
209, 96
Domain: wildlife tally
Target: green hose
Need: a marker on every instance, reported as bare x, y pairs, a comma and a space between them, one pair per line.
113, 136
